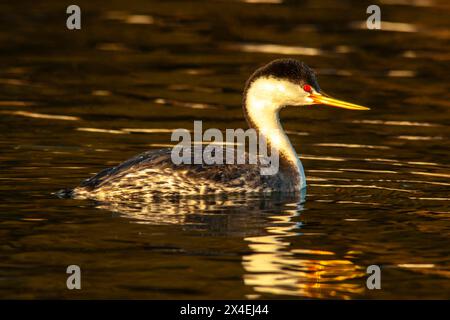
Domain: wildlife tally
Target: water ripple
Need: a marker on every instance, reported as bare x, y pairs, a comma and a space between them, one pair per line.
345, 145
41, 115
396, 123
274, 49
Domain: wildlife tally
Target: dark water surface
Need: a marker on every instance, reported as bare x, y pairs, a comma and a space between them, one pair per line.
75, 102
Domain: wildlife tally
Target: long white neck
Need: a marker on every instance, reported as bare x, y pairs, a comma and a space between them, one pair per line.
263, 101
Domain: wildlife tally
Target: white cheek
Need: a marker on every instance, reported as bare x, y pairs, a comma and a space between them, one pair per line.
271, 94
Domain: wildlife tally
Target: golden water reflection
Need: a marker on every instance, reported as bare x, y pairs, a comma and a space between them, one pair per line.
274, 267
277, 260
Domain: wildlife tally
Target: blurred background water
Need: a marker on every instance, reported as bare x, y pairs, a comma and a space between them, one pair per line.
75, 102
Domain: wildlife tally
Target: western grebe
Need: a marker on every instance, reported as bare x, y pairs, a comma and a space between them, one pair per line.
283, 82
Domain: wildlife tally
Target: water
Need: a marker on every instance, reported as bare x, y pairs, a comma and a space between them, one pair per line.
75, 102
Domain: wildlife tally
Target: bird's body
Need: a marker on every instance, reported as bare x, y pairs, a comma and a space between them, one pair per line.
152, 174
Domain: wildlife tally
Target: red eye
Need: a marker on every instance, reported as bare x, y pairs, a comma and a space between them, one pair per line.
307, 88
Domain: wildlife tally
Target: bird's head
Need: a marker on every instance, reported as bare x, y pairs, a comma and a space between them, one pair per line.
287, 82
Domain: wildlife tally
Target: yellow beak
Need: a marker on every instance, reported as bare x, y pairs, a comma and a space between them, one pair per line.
321, 99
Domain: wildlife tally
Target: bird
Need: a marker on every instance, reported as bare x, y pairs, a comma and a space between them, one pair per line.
152, 174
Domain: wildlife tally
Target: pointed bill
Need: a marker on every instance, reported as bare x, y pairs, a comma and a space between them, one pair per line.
329, 101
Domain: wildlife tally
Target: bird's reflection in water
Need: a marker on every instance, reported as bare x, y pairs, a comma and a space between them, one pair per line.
274, 265
277, 268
